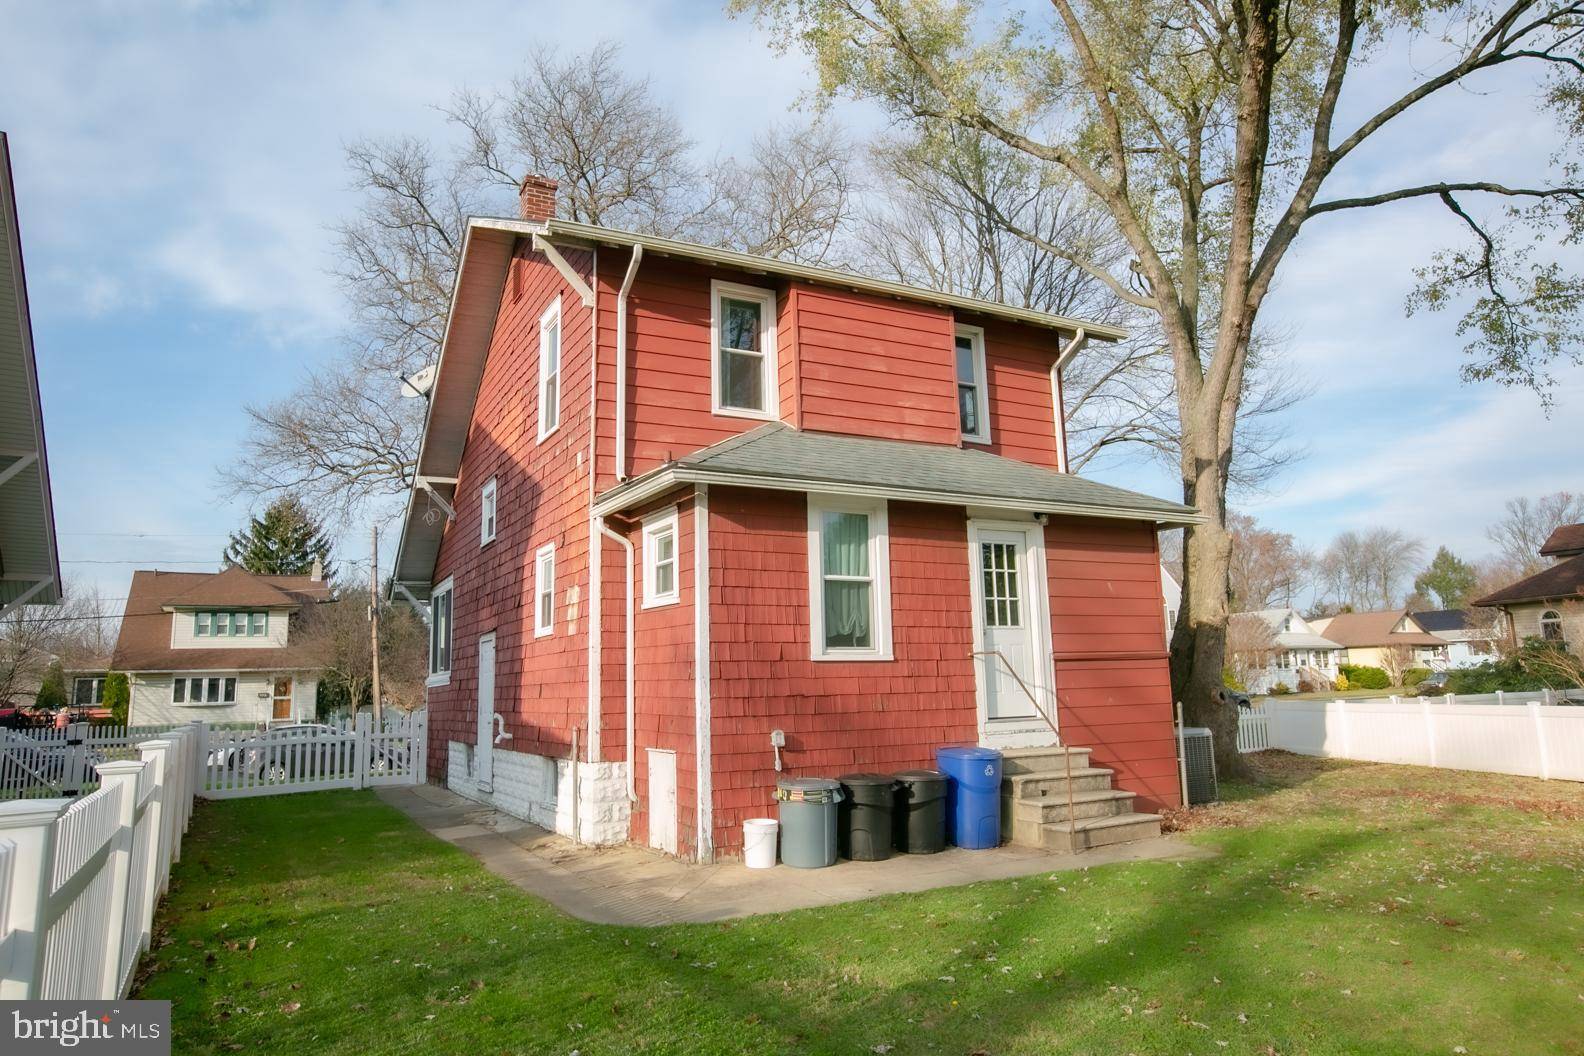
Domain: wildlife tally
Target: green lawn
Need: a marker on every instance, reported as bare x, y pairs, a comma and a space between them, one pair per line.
1344, 694
1353, 908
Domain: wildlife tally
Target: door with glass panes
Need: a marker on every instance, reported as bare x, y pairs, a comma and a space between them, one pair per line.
1012, 629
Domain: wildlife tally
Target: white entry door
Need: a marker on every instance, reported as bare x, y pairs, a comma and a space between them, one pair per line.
662, 800
1012, 631
484, 753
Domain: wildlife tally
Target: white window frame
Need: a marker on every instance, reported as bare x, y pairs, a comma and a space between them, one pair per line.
1554, 618
654, 526
438, 677
975, 335
551, 313
187, 679
489, 511
767, 340
544, 583
95, 695
879, 576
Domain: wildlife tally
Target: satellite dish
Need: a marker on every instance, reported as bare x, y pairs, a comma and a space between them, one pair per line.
418, 383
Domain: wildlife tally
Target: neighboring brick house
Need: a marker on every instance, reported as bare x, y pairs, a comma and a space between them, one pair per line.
1549, 604
660, 440
219, 647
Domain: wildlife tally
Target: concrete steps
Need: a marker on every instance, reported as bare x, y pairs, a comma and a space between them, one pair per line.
1038, 810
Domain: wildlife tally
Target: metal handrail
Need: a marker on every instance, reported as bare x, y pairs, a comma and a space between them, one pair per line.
1072, 819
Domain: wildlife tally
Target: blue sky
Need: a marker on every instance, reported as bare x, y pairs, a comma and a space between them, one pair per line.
179, 165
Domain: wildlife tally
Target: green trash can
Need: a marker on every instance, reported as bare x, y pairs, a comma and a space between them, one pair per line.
865, 817
807, 806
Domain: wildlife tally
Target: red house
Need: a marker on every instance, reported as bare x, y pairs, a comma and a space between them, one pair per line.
689, 520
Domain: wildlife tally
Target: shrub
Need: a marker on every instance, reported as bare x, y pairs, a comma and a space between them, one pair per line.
52, 690
1414, 675
117, 697
1362, 676
1280, 689
1230, 679
1342, 684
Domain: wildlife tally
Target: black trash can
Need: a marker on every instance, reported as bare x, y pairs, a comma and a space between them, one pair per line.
863, 831
920, 826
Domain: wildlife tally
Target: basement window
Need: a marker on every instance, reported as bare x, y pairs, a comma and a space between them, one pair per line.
743, 352
660, 559
849, 580
544, 590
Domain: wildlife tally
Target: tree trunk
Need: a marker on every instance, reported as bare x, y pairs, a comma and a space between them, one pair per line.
1198, 650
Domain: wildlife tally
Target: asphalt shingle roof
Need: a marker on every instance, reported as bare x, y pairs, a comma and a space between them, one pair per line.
144, 643
1566, 540
777, 454
1565, 579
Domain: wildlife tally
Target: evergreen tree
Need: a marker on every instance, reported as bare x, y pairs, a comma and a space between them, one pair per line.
1449, 578
282, 542
52, 690
117, 697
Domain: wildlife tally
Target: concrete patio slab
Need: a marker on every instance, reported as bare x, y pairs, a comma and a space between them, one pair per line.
632, 886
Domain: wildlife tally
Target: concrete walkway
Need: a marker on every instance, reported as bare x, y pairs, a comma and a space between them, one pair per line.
632, 886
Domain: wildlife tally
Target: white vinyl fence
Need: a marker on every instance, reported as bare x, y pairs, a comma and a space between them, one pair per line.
79, 878
53, 762
1525, 734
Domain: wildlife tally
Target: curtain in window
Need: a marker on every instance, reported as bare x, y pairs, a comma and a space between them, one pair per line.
844, 540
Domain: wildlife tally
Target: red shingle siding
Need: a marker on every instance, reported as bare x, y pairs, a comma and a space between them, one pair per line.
872, 367
541, 684
1108, 626
839, 717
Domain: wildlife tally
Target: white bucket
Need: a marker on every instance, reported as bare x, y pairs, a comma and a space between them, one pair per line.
759, 842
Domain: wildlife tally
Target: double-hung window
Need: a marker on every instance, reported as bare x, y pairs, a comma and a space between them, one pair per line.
208, 689
660, 559
849, 580
743, 350
544, 590
973, 400
550, 370
440, 633
487, 512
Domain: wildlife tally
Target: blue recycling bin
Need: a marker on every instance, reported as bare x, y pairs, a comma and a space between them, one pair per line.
973, 796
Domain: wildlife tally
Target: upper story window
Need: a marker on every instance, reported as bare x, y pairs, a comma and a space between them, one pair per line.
660, 559
550, 370
440, 633
1551, 626
88, 692
230, 624
487, 512
849, 580
743, 350
973, 401
544, 590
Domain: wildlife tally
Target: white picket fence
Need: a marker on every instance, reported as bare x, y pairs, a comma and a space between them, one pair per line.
1525, 734
60, 761
79, 879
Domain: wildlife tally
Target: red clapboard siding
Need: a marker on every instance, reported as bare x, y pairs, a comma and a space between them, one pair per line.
1107, 612
1022, 411
839, 717
873, 367
541, 683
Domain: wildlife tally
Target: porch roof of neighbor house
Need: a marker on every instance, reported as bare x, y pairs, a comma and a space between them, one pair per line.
1563, 580
779, 457
1566, 541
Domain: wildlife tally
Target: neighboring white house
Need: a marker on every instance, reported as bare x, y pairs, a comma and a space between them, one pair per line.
1289, 652
1468, 642
218, 647
1171, 595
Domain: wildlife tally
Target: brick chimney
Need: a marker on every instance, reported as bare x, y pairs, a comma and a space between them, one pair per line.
536, 200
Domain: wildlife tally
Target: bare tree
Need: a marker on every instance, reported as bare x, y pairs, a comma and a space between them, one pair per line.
78, 632
792, 198
1267, 567
1553, 662
337, 632
1210, 133
1527, 523
1365, 570
1251, 646
1396, 661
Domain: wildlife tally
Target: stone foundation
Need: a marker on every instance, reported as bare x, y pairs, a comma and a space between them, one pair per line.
538, 789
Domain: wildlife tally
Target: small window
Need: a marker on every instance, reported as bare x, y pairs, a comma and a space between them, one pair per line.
1551, 626
660, 559
440, 634
742, 333
201, 624
487, 513
179, 691
88, 692
258, 624
849, 580
230, 690
973, 402
550, 370
544, 590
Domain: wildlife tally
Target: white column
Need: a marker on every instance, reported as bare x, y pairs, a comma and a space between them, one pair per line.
28, 825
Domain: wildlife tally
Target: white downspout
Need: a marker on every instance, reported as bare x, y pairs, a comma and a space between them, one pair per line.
621, 365
626, 544
1074, 346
